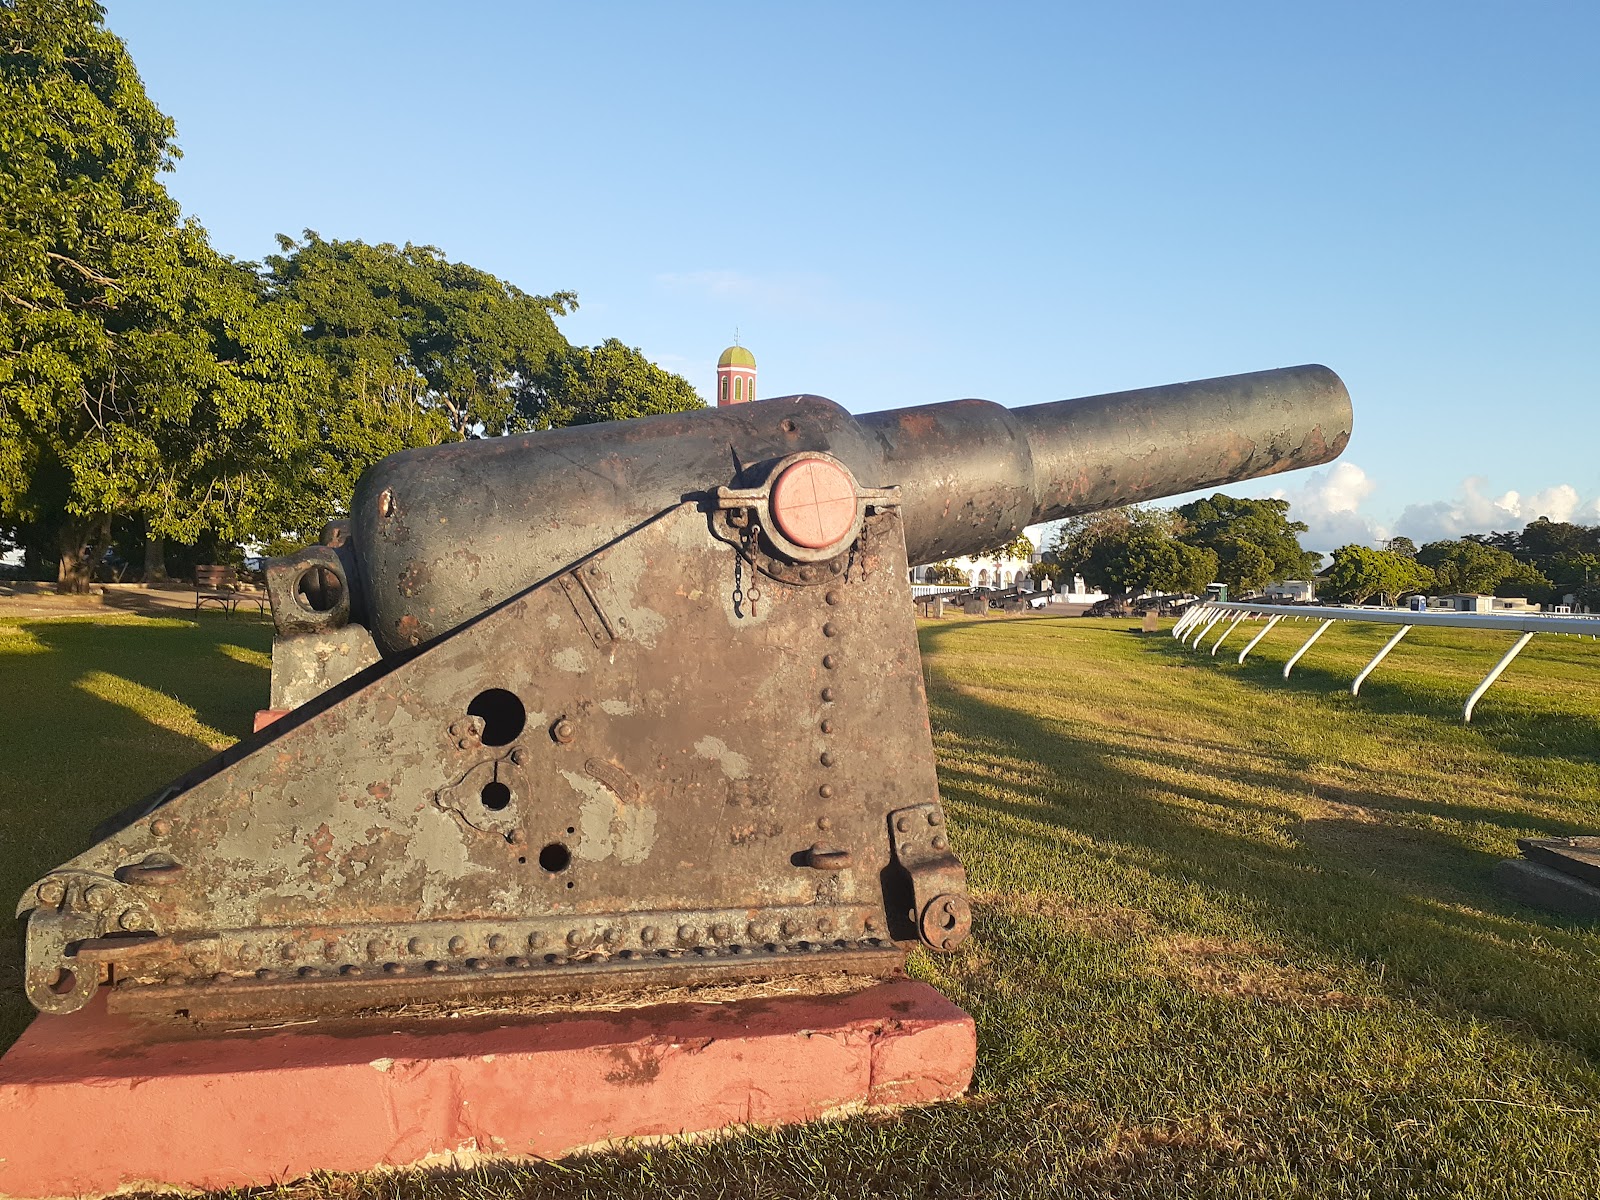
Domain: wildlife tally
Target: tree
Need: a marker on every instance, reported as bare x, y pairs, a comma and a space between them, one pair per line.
947, 572
407, 325
1197, 568
1360, 572
1243, 565
1472, 567
136, 375
1543, 541
1403, 546
1570, 572
609, 382
1229, 524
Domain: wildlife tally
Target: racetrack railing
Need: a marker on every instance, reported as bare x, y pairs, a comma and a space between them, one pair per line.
1202, 618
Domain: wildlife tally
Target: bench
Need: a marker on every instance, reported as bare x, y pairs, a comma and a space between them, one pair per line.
220, 586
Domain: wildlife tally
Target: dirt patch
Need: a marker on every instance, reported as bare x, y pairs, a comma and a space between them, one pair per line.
1241, 970
1131, 1151
1107, 922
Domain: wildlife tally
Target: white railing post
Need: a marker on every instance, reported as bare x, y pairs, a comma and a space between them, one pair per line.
1320, 630
1265, 629
1220, 613
1234, 624
1355, 688
1472, 700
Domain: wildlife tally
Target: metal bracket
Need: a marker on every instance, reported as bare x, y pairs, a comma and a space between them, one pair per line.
939, 908
487, 796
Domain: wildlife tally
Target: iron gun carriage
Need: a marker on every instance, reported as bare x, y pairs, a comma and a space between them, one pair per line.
615, 706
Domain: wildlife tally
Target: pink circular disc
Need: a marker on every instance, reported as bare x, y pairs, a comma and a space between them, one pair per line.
814, 503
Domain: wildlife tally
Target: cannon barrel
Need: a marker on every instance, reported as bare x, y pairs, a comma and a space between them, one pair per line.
444, 533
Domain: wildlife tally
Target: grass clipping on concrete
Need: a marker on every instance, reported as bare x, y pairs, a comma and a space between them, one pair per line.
1234, 936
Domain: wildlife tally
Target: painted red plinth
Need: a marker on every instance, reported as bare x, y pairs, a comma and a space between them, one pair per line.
92, 1102
266, 716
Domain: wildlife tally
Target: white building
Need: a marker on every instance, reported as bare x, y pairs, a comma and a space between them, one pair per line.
983, 570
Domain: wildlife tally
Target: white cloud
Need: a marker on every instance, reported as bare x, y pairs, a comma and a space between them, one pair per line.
1330, 503
1471, 511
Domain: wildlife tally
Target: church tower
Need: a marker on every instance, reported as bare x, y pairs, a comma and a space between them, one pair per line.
736, 377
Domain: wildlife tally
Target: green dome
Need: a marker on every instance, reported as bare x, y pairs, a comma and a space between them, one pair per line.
737, 356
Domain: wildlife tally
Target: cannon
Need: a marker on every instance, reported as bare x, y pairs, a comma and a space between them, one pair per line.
614, 708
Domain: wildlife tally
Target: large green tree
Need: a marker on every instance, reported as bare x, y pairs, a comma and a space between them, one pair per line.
404, 325
582, 385
1133, 550
1359, 572
137, 376
1254, 540
1473, 567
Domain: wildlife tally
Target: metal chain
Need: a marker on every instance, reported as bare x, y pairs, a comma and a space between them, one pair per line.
746, 552
858, 550
753, 592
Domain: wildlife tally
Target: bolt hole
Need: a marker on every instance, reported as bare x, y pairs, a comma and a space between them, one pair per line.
318, 589
571, 829
495, 795
522, 860
502, 714
63, 982
571, 884
555, 857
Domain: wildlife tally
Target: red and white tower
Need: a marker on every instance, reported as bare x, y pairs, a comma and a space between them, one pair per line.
736, 377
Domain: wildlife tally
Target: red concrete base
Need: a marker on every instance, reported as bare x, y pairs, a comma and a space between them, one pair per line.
91, 1102
266, 716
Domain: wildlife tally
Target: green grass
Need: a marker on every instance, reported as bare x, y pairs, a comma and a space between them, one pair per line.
1235, 936
96, 713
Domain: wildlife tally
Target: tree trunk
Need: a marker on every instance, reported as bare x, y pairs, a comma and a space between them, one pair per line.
80, 545
155, 560
73, 563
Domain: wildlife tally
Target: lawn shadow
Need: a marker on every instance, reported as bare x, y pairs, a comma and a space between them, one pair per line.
1355, 890
74, 758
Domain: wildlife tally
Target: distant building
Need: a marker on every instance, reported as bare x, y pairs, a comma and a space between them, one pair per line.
982, 570
736, 376
996, 571
1476, 602
1292, 591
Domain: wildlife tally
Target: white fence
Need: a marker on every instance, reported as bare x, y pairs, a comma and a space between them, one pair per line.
1201, 619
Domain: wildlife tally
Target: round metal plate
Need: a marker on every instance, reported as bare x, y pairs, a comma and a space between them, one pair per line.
814, 504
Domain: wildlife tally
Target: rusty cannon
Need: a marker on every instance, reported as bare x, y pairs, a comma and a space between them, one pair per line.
614, 707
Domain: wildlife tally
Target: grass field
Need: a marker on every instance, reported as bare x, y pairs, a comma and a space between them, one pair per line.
1235, 937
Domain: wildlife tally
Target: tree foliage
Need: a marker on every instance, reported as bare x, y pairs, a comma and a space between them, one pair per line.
1359, 573
1133, 550
137, 375
404, 326
147, 381
1254, 540
583, 385
947, 572
1470, 567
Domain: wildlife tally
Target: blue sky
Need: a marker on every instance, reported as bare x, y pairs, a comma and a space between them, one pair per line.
903, 203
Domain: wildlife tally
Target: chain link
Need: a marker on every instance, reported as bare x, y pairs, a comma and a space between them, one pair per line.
746, 552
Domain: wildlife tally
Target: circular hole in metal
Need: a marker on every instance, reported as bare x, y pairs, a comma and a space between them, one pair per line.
318, 589
495, 795
502, 715
63, 983
571, 884
555, 857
